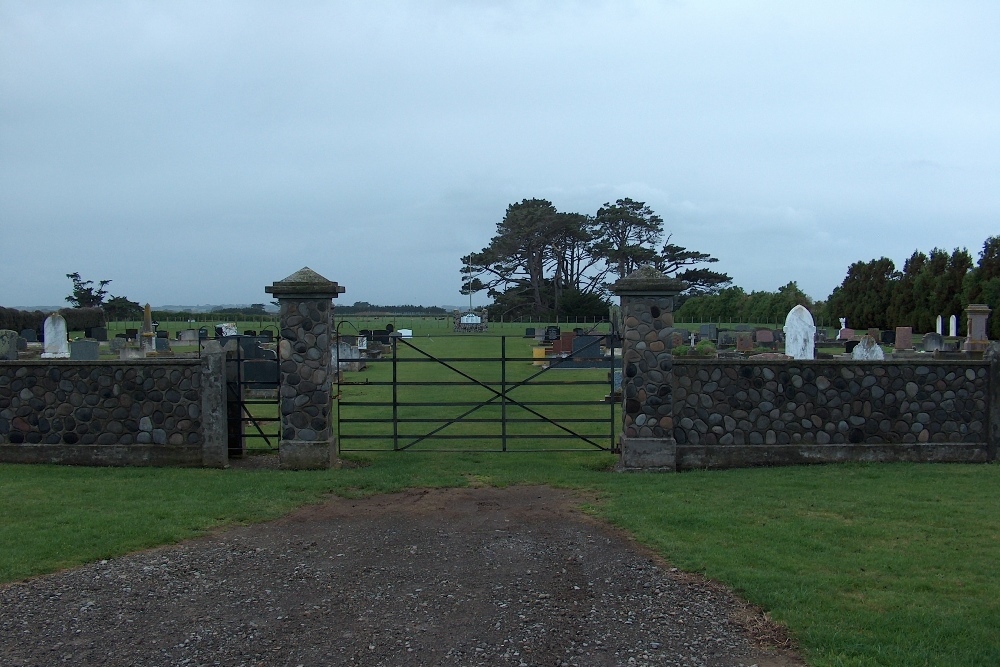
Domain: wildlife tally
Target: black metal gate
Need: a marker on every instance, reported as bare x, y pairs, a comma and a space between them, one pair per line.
414, 398
252, 395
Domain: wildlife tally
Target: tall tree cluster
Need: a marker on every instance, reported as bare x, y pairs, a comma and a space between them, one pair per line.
876, 294
734, 304
543, 261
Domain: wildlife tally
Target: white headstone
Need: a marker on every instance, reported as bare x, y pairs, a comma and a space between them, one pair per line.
843, 322
56, 342
800, 333
940, 325
953, 325
406, 333
471, 319
867, 350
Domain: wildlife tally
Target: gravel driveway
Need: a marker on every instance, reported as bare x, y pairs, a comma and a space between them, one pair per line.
484, 576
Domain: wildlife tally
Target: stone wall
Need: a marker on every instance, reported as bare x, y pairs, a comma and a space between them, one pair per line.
140, 412
744, 413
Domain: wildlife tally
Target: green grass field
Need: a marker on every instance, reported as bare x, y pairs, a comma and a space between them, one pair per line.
866, 564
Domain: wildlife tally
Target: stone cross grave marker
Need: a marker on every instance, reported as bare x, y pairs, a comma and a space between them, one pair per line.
800, 331
56, 342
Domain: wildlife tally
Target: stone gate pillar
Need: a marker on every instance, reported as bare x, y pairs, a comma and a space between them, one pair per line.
647, 438
305, 371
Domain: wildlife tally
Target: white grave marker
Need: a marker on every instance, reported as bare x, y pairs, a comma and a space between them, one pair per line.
867, 350
953, 325
56, 342
800, 333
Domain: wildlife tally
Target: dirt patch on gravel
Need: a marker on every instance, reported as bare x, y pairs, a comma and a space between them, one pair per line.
484, 576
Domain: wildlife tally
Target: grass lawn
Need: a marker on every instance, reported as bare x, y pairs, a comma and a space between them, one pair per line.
866, 564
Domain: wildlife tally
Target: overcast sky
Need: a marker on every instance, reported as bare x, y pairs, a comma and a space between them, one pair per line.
194, 152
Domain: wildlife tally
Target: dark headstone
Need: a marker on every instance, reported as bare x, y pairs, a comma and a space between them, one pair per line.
260, 374
29, 335
529, 332
888, 338
250, 332
587, 347
266, 334
99, 334
163, 334
850, 345
22, 344
84, 350
709, 331
203, 332
552, 333
131, 333
162, 344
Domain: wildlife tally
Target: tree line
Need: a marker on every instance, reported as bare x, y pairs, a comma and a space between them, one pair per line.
876, 294
542, 261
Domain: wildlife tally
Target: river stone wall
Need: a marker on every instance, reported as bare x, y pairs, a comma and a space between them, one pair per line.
140, 412
744, 413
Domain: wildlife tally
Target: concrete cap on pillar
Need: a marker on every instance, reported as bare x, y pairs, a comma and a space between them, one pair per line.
305, 283
647, 281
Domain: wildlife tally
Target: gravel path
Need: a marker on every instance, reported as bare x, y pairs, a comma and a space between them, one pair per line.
447, 577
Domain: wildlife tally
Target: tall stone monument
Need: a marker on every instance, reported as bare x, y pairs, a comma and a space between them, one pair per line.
647, 439
800, 333
305, 369
978, 339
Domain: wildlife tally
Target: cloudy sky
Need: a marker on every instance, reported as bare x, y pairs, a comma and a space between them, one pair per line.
194, 152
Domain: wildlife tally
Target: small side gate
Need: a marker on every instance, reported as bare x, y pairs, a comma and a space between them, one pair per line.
427, 396
252, 384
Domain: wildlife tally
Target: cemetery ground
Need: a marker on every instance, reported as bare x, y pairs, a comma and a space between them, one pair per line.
864, 564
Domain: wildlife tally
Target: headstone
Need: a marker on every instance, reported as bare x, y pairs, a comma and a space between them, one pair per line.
250, 332
744, 341
939, 325
162, 344
953, 326
932, 342
56, 343
551, 334
8, 345
850, 345
888, 337
225, 329
131, 334
587, 347
977, 339
202, 333
845, 334
267, 335
127, 353
84, 350
727, 338
764, 336
22, 344
163, 334
188, 335
29, 335
743, 327
875, 333
800, 332
904, 338
97, 333
867, 349
709, 331
529, 332
117, 344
